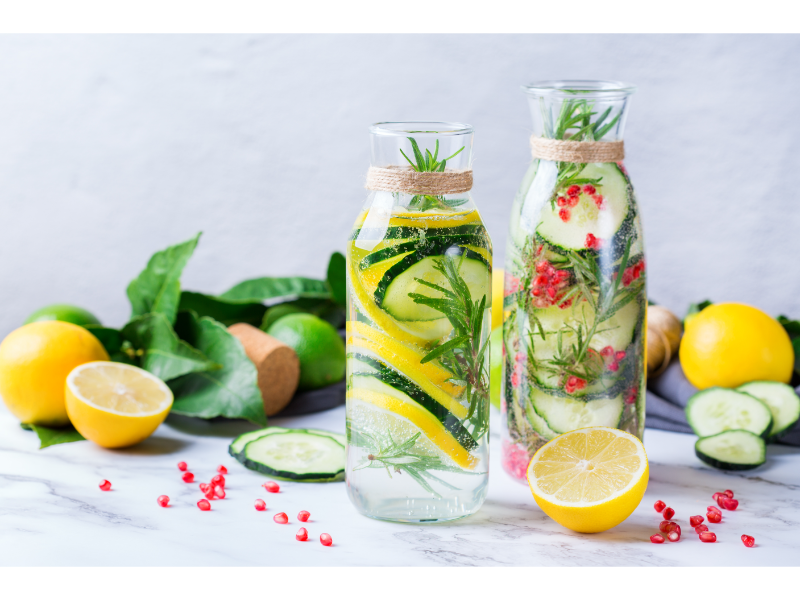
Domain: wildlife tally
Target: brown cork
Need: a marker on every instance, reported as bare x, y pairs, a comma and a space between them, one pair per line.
277, 364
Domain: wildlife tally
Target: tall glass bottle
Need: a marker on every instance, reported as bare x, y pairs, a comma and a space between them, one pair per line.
419, 268
575, 297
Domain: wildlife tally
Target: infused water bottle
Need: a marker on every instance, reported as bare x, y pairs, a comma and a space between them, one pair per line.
419, 269
575, 298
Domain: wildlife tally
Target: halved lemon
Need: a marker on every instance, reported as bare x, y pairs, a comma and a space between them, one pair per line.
114, 404
589, 479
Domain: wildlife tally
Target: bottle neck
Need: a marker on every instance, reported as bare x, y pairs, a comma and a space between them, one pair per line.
421, 146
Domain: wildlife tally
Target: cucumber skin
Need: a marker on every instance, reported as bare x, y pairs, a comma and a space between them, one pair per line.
764, 434
726, 466
405, 232
438, 242
773, 435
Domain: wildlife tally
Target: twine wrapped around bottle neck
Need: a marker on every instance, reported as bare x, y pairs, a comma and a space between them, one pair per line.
577, 152
408, 181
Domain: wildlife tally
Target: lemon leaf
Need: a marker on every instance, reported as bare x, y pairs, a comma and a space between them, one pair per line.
50, 436
276, 289
224, 310
337, 278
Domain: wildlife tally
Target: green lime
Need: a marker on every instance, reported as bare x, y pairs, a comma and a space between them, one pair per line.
63, 312
278, 312
318, 346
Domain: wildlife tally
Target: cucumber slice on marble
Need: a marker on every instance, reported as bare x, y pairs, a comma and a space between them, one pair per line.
716, 409
296, 455
782, 400
733, 450
237, 446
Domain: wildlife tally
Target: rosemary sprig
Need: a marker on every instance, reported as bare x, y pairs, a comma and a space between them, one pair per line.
429, 163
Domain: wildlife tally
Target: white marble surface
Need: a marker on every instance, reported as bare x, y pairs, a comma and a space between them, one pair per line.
52, 512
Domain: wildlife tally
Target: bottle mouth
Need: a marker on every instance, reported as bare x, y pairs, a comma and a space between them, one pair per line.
585, 88
404, 128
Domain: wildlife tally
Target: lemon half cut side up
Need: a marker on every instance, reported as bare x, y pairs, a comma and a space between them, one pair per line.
114, 404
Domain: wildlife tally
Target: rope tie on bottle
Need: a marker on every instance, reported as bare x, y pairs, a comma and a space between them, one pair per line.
577, 152
408, 181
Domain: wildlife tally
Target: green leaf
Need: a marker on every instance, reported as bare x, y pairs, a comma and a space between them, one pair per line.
792, 327
164, 354
697, 307
796, 346
230, 392
444, 348
114, 342
276, 289
225, 311
50, 436
157, 289
337, 278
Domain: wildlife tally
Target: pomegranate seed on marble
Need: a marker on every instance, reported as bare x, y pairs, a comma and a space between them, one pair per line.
673, 528
721, 499
713, 509
260, 504
713, 517
659, 506
203, 505
163, 501
219, 492
204, 487
668, 513
728, 493
325, 539
218, 480
696, 520
182, 466
272, 487
303, 515
716, 496
663, 527
748, 540
701, 528
188, 477
708, 538
673, 536
730, 504
302, 535
281, 518
105, 485
222, 469
209, 493
657, 538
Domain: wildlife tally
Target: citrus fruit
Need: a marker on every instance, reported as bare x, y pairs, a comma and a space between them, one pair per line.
278, 312
496, 368
497, 298
63, 312
114, 404
589, 479
730, 344
35, 360
318, 346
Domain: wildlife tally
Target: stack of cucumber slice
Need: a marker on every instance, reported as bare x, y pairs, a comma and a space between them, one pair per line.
734, 425
307, 455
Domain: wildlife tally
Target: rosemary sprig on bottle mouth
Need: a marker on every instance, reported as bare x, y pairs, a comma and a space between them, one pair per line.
429, 163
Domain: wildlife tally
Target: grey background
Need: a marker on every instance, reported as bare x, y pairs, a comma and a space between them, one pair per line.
112, 147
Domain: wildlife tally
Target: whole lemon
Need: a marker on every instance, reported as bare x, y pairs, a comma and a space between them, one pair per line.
34, 363
730, 344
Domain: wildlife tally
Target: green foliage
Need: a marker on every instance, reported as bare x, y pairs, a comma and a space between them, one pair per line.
50, 436
696, 307
119, 349
276, 289
337, 278
429, 163
223, 310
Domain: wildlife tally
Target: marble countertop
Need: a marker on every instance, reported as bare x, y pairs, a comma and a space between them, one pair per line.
52, 512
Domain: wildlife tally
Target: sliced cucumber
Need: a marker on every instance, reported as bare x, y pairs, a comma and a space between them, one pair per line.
438, 243
403, 232
715, 410
390, 383
782, 400
586, 218
237, 446
296, 455
564, 414
732, 450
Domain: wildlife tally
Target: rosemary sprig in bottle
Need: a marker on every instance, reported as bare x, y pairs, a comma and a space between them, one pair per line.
429, 163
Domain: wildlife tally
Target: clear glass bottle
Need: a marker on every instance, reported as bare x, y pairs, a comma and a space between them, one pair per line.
574, 298
419, 271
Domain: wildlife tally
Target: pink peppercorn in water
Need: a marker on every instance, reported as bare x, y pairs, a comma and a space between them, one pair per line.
575, 294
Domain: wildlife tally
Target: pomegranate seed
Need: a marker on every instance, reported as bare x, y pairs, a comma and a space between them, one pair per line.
260, 504
204, 487
542, 266
730, 503
163, 501
748, 540
561, 201
182, 466
272, 487
696, 520
188, 477
219, 491
105, 485
673, 536
574, 190
713, 517
673, 527
203, 505
218, 480
209, 493
222, 469
708, 538
668, 513
713, 509
551, 291
701, 528
663, 527
721, 500
657, 538
303, 515
564, 214
717, 495
728, 493
302, 534
325, 539
281, 518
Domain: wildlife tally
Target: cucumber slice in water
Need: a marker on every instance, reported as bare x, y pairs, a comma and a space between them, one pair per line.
564, 414
586, 217
782, 400
733, 450
296, 455
715, 410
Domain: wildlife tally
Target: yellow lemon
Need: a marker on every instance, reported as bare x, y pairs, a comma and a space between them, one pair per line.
589, 479
730, 344
116, 405
497, 298
34, 363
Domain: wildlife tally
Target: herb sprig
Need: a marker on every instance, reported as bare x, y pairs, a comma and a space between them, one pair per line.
429, 163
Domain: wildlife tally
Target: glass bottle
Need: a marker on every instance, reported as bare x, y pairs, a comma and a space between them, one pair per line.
574, 297
419, 270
